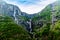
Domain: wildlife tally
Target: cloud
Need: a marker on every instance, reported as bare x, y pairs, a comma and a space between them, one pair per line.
28, 2
30, 6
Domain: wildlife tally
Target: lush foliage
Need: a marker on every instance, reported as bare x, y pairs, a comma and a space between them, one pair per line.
11, 31
48, 31
41, 25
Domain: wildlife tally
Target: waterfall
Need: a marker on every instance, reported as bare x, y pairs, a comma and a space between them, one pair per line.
30, 27
15, 17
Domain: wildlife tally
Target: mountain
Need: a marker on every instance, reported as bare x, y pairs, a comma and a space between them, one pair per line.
9, 10
39, 26
45, 16
15, 13
42, 22
42, 17
20, 17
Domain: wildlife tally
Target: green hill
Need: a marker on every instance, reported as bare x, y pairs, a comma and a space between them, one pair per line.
11, 31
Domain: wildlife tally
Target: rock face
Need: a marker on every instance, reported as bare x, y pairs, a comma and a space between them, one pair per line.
14, 12
10, 10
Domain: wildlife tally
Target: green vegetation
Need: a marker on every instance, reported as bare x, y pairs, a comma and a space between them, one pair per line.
44, 15
47, 31
11, 31
23, 18
42, 26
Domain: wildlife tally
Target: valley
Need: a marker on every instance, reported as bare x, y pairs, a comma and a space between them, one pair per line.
18, 25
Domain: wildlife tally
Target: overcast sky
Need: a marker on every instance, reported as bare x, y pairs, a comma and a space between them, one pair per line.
30, 6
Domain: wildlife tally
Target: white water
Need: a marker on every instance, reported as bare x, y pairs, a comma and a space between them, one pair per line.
30, 25
15, 17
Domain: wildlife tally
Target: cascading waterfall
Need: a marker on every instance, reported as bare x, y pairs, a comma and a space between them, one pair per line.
15, 17
30, 27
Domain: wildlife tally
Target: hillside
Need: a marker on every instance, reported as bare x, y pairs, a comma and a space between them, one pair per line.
48, 31
9, 30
